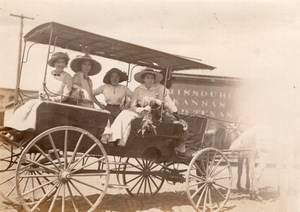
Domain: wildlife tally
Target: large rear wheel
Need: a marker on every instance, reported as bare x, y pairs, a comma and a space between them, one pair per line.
71, 171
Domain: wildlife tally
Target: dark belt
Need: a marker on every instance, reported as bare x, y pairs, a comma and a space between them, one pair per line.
113, 105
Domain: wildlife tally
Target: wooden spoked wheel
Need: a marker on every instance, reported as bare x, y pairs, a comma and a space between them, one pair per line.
209, 180
69, 171
142, 176
8, 162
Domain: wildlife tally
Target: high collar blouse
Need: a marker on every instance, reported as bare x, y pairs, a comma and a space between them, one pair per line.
142, 91
59, 84
114, 95
84, 81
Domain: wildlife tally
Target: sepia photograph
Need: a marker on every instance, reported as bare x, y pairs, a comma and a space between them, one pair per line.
153, 106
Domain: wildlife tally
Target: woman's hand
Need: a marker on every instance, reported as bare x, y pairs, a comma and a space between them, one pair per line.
147, 108
84, 94
141, 109
158, 102
54, 99
43, 95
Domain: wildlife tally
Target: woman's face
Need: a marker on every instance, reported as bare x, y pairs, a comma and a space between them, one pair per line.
86, 66
114, 78
60, 64
149, 80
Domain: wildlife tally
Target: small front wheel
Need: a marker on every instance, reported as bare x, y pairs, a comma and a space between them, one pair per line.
142, 176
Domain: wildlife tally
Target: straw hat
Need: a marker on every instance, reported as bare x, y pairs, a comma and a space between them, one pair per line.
76, 64
123, 76
56, 56
140, 75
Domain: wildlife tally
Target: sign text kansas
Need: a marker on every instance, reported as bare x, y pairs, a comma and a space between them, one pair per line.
212, 100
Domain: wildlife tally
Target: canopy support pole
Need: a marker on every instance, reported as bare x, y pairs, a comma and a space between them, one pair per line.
128, 71
48, 53
128, 74
22, 17
166, 78
17, 91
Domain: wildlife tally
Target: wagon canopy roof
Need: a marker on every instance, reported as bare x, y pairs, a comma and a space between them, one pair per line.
75, 39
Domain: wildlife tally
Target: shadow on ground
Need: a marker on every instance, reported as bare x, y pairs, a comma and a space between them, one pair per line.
266, 194
166, 201
123, 202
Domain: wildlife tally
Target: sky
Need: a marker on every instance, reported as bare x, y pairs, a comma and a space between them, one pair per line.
256, 39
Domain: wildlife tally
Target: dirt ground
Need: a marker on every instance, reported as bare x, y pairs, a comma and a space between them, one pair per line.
173, 198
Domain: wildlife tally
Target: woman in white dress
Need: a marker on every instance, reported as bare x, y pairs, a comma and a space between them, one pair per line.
117, 96
58, 83
56, 89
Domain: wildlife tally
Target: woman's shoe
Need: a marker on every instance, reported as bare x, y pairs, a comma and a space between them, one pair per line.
104, 138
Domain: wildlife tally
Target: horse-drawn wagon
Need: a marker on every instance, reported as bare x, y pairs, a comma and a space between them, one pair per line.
61, 162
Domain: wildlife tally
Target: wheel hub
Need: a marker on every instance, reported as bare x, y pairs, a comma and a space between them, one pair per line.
210, 180
65, 176
146, 172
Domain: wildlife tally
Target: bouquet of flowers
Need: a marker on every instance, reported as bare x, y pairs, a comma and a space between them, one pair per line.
147, 125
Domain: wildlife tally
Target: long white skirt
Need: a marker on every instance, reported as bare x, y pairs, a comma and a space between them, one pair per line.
121, 127
24, 118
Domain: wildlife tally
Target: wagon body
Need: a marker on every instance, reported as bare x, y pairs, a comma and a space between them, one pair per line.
159, 147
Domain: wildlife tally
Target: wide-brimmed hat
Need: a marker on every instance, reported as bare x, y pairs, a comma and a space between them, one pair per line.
76, 64
140, 75
123, 76
56, 56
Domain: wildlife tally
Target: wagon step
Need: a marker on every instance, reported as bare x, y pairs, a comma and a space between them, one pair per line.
117, 186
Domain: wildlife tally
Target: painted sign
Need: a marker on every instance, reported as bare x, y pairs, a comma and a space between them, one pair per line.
217, 97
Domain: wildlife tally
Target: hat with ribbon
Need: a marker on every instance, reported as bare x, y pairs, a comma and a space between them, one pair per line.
139, 77
76, 64
56, 56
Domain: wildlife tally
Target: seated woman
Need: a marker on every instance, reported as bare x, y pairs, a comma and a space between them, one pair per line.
149, 89
57, 89
84, 66
58, 83
168, 103
116, 95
